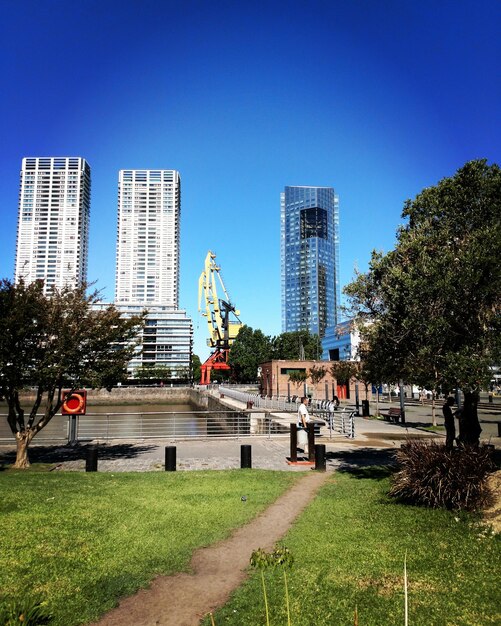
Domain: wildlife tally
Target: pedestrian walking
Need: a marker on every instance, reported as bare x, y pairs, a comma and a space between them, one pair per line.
303, 417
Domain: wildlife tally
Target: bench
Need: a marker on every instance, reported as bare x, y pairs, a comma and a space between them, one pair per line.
393, 415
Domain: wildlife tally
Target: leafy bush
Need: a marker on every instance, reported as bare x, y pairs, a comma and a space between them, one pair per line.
429, 475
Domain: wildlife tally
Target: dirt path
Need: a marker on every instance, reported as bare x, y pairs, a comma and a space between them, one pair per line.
183, 599
492, 515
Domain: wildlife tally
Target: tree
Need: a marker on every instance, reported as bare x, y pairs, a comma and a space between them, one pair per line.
296, 377
344, 371
196, 367
147, 374
55, 343
434, 302
316, 374
250, 348
297, 345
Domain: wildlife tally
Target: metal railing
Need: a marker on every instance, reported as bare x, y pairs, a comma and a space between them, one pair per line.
158, 425
152, 425
190, 424
57, 430
280, 403
340, 420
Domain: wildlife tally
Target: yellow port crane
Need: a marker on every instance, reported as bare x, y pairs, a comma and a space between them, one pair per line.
222, 329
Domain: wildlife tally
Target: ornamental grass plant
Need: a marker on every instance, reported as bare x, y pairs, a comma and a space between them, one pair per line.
430, 475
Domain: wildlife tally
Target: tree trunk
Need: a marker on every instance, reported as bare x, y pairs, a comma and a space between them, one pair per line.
23, 440
433, 409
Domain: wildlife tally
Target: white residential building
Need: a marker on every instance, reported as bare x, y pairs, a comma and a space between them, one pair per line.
147, 272
149, 206
53, 226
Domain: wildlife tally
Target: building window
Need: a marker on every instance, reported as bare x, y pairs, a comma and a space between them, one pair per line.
313, 223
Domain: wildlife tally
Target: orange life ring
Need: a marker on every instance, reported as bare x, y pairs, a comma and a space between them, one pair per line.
72, 409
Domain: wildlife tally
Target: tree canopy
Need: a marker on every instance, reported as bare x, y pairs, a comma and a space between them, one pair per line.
429, 310
56, 342
251, 347
147, 374
299, 344
196, 367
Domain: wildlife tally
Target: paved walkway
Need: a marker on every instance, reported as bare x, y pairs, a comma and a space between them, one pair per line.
375, 442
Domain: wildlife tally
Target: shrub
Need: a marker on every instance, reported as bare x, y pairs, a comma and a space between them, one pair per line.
429, 475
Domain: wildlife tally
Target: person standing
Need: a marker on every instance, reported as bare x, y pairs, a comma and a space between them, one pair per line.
303, 417
450, 426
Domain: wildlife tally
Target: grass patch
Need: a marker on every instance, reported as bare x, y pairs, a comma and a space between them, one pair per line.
434, 429
34, 468
79, 541
349, 548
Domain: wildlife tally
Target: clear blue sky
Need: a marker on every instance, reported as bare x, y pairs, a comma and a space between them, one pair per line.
376, 98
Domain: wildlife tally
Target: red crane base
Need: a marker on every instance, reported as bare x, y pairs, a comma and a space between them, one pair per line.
218, 360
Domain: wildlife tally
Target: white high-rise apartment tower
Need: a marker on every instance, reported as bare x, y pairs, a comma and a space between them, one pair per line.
53, 226
149, 207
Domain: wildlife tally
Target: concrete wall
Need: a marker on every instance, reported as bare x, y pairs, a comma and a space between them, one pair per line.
140, 395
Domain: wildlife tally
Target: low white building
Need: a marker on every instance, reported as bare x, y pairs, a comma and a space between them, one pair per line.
166, 339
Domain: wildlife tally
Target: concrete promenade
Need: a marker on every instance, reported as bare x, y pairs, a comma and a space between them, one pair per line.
375, 442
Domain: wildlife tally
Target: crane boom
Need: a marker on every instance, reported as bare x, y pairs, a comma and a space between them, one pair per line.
222, 329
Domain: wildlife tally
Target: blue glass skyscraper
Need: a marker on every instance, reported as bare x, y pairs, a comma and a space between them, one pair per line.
309, 258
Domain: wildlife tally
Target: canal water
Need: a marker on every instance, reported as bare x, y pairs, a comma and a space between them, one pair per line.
135, 421
142, 420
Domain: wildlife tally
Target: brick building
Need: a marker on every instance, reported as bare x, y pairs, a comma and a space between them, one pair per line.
305, 378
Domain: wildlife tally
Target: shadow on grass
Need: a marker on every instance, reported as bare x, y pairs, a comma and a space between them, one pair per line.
412, 424
60, 454
420, 425
364, 462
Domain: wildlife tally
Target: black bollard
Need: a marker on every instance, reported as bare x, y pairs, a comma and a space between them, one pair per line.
499, 429
320, 457
170, 458
310, 427
245, 457
91, 460
293, 456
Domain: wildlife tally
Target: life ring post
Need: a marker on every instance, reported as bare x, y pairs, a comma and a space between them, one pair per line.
74, 403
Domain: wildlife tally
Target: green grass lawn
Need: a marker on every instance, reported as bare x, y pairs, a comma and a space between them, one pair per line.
79, 541
349, 549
